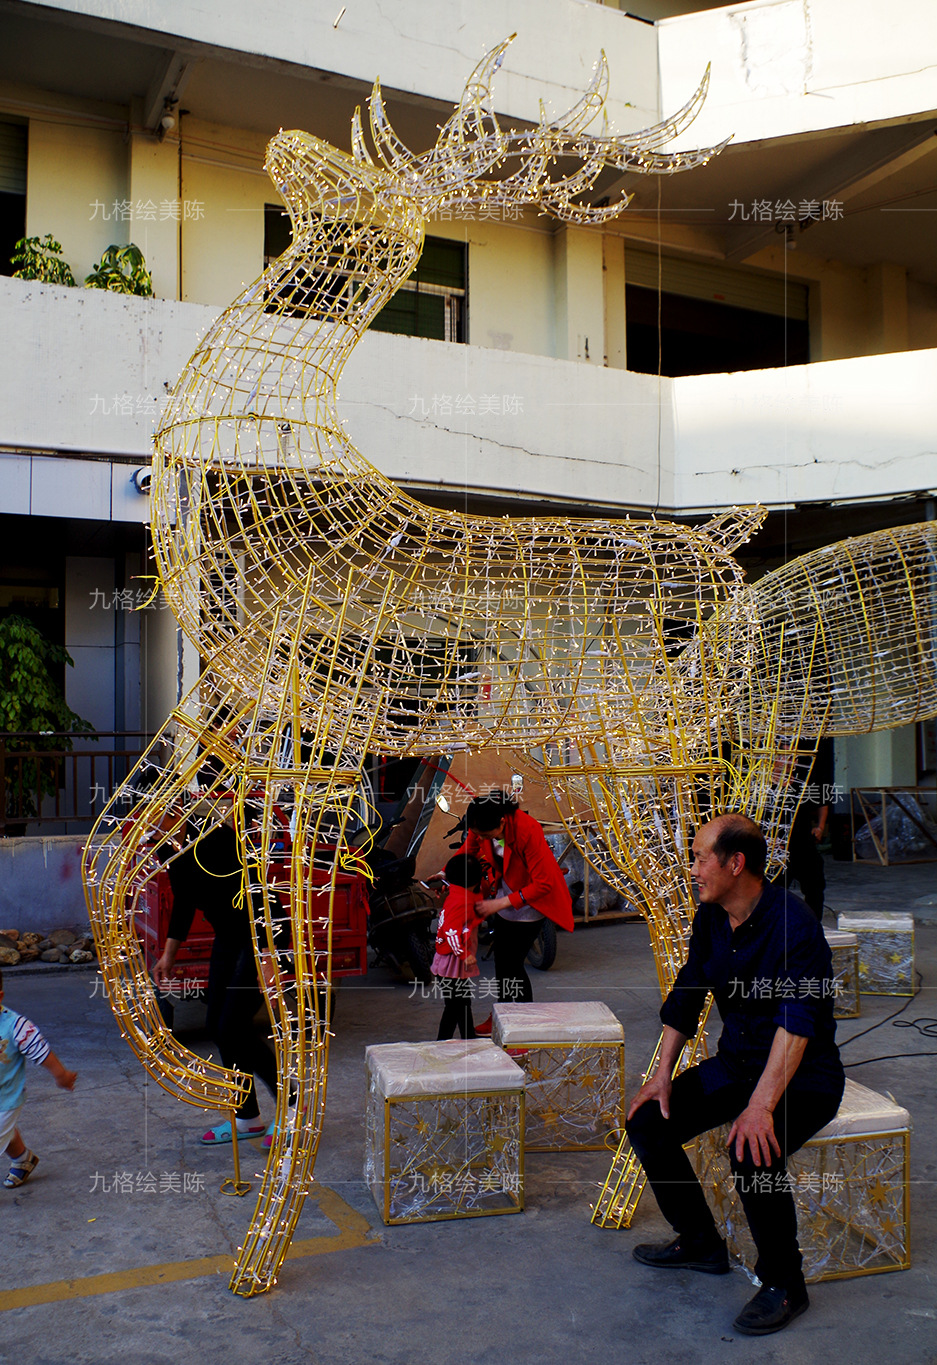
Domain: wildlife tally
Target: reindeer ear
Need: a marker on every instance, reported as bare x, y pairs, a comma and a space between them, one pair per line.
734, 527
359, 148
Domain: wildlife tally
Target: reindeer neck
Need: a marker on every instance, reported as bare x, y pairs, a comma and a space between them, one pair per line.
274, 357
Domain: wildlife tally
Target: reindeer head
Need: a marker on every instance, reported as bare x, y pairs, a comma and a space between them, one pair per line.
476, 163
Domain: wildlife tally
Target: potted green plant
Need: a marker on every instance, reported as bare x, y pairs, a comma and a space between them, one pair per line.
40, 258
122, 270
31, 702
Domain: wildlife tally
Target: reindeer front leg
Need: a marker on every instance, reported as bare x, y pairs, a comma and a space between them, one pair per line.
296, 981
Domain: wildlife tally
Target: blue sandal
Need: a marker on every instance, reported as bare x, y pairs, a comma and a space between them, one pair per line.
271, 1130
22, 1168
221, 1133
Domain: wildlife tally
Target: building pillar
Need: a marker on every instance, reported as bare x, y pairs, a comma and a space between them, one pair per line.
888, 308
579, 295
886, 758
154, 194
90, 618
128, 643
616, 350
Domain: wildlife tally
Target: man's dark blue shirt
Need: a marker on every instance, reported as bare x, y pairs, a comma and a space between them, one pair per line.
774, 971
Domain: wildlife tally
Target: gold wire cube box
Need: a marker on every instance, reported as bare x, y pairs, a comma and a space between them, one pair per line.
850, 1184
444, 1130
886, 951
573, 1055
845, 950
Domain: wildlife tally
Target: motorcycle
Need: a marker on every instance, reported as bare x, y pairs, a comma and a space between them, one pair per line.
401, 915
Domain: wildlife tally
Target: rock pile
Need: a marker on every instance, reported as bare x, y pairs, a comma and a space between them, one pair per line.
62, 945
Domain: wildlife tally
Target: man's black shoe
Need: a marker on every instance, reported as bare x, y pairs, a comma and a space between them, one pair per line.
674, 1256
771, 1309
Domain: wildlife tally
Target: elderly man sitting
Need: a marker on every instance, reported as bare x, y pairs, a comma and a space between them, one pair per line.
776, 1077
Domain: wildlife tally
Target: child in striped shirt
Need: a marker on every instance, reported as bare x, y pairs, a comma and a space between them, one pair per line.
20, 1039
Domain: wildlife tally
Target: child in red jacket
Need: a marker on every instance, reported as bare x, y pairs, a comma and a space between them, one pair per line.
456, 963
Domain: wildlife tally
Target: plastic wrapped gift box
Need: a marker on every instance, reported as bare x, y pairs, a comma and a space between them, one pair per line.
445, 1130
573, 1055
850, 1185
886, 951
845, 950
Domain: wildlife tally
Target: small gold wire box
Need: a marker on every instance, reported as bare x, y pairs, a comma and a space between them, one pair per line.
886, 951
845, 950
850, 1184
444, 1130
573, 1054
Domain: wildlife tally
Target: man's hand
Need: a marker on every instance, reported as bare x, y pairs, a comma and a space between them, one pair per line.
819, 829
755, 1125
163, 971
657, 1087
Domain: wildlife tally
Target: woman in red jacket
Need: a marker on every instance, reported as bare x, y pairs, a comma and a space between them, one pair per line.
523, 884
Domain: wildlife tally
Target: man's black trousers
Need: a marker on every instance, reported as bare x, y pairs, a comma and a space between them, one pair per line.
768, 1203
233, 998
805, 862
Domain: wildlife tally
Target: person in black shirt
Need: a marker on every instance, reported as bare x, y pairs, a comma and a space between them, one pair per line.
776, 1076
208, 875
804, 859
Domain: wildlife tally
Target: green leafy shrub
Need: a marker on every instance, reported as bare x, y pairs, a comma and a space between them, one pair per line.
31, 701
122, 269
39, 258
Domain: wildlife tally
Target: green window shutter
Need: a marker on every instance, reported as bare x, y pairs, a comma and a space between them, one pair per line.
413, 314
12, 158
431, 303
442, 262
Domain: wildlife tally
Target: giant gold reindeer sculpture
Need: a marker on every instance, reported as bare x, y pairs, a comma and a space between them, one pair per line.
335, 615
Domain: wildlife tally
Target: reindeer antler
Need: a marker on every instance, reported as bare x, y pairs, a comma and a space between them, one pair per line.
471, 144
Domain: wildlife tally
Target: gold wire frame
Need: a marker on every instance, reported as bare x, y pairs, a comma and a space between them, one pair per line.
885, 959
462, 1154
334, 615
846, 1004
575, 1096
859, 1225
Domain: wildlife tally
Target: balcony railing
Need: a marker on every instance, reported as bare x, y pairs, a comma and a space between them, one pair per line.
57, 782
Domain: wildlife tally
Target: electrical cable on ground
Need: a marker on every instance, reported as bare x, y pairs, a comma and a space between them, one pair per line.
925, 1025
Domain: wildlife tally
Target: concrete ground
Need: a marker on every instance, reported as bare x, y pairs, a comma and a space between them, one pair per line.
94, 1274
